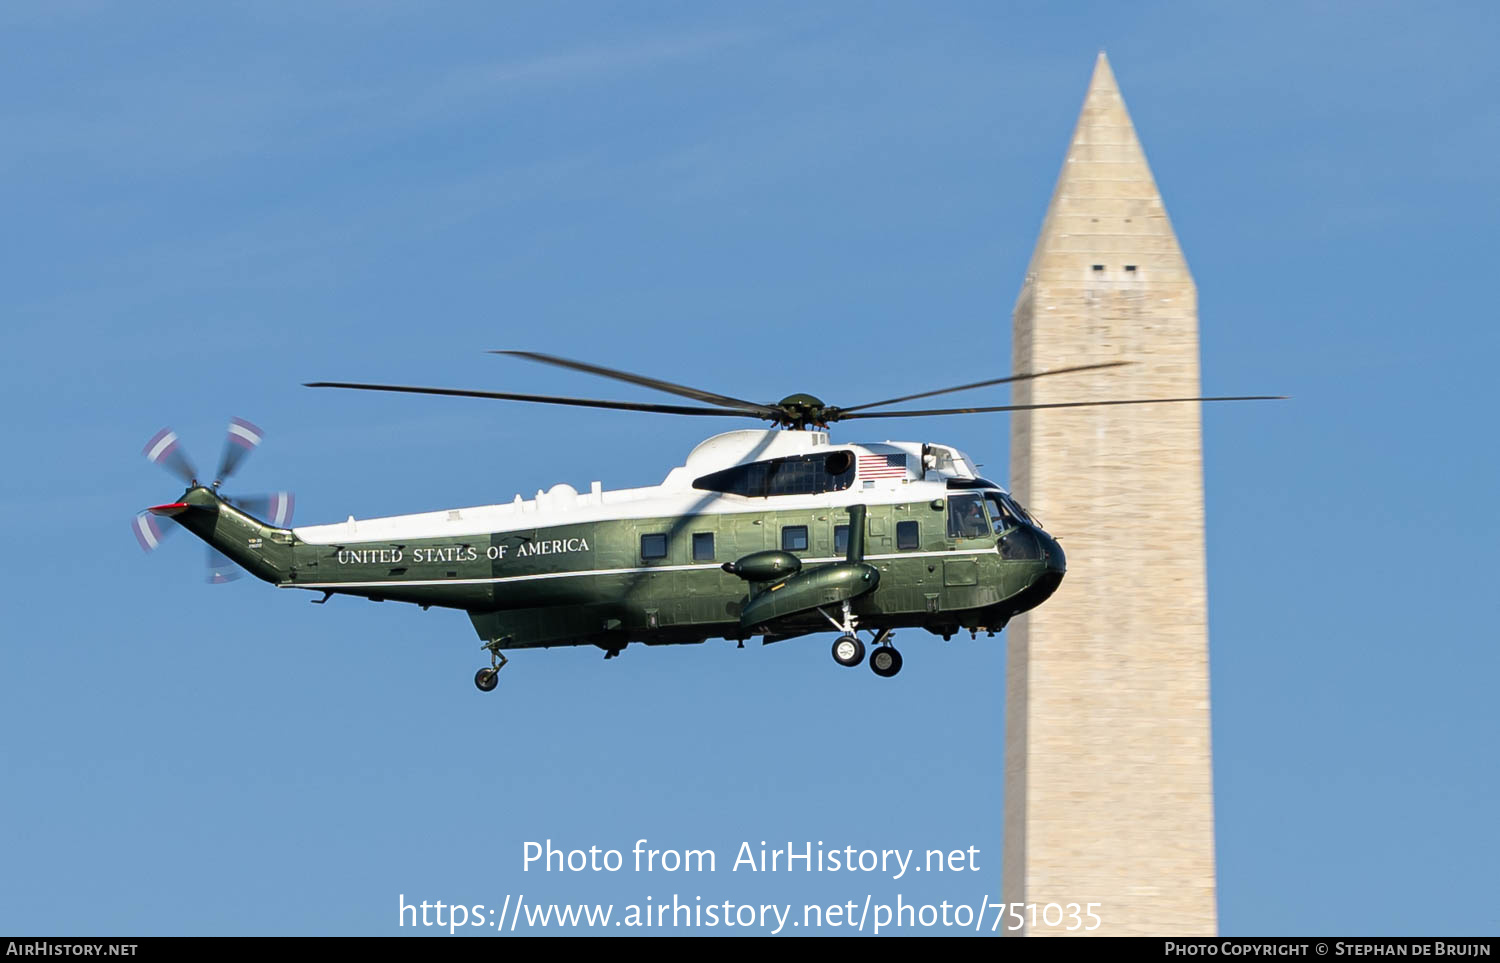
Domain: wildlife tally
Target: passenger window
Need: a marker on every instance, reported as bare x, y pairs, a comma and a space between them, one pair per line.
908, 536
653, 546
841, 539
703, 546
966, 518
794, 538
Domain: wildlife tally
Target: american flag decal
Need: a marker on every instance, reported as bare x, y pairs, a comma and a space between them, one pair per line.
882, 466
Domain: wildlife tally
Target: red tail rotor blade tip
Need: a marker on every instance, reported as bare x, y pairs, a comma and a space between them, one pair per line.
174, 508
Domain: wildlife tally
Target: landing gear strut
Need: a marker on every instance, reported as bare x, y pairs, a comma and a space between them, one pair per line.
486, 679
848, 650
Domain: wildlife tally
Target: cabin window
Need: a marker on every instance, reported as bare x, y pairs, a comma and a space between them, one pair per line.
703, 546
794, 538
795, 475
653, 546
841, 539
908, 536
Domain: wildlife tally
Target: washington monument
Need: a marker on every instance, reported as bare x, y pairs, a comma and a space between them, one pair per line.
1108, 766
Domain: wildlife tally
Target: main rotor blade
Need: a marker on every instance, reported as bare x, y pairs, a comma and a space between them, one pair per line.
758, 412
165, 450
985, 384
1055, 404
242, 439
635, 379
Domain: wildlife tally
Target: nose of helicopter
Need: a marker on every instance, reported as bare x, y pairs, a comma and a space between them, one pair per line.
1052, 554
1036, 548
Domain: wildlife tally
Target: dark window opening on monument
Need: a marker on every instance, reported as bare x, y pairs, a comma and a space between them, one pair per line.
1130, 268
1098, 267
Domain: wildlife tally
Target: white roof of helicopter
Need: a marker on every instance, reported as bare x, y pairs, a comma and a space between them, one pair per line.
564, 505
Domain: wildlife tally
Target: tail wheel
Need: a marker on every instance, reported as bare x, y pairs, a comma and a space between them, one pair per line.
486, 679
885, 661
848, 650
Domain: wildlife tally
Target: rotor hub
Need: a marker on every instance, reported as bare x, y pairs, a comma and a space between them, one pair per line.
801, 410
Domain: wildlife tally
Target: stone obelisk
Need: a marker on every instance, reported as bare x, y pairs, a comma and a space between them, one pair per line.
1108, 766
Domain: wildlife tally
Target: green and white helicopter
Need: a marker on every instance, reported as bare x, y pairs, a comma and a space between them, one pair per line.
775, 533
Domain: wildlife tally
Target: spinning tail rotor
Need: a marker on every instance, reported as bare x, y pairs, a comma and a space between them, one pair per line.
165, 449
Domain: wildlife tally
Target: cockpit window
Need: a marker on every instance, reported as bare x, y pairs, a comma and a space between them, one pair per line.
1021, 512
1004, 518
966, 517
1007, 513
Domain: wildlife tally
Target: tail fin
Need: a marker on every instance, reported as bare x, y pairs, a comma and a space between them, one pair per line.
261, 548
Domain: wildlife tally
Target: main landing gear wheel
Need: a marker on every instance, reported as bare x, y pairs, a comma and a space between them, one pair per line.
848, 650
487, 679
885, 661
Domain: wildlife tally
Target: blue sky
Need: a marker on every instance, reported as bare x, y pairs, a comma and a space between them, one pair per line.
209, 206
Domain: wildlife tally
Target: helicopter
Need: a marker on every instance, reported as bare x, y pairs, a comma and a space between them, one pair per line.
774, 533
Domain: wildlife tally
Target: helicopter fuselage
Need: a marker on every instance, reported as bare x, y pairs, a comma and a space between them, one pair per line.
949, 550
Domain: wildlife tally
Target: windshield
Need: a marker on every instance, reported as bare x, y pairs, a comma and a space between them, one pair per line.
1007, 513
1020, 511
1005, 519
